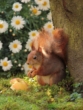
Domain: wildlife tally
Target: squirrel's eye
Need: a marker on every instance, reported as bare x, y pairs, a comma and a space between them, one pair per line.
34, 57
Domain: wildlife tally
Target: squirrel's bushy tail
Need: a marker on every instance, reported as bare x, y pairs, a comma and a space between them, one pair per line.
60, 43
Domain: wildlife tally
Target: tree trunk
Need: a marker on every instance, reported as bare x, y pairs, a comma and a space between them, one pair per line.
68, 14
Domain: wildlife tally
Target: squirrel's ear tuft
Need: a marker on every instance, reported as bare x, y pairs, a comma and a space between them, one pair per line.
42, 50
32, 46
43, 30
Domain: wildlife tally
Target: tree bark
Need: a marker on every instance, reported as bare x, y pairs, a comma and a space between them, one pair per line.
68, 14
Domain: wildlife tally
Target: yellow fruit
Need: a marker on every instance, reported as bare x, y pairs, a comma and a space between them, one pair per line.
18, 84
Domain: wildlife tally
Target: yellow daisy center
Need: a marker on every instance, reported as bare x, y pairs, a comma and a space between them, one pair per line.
1, 25
16, 6
17, 22
49, 26
15, 45
5, 63
34, 11
45, 3
33, 34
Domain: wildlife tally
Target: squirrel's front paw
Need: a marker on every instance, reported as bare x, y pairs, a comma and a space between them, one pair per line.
31, 74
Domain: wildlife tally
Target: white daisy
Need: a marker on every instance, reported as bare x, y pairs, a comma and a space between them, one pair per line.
35, 10
27, 68
49, 16
44, 5
17, 6
17, 22
25, 1
19, 65
28, 44
49, 26
15, 46
33, 34
38, 2
3, 26
1, 45
6, 64
15, 61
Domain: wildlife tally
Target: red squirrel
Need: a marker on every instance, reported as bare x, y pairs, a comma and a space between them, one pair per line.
48, 57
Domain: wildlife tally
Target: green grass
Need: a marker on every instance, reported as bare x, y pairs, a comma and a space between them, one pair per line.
37, 97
